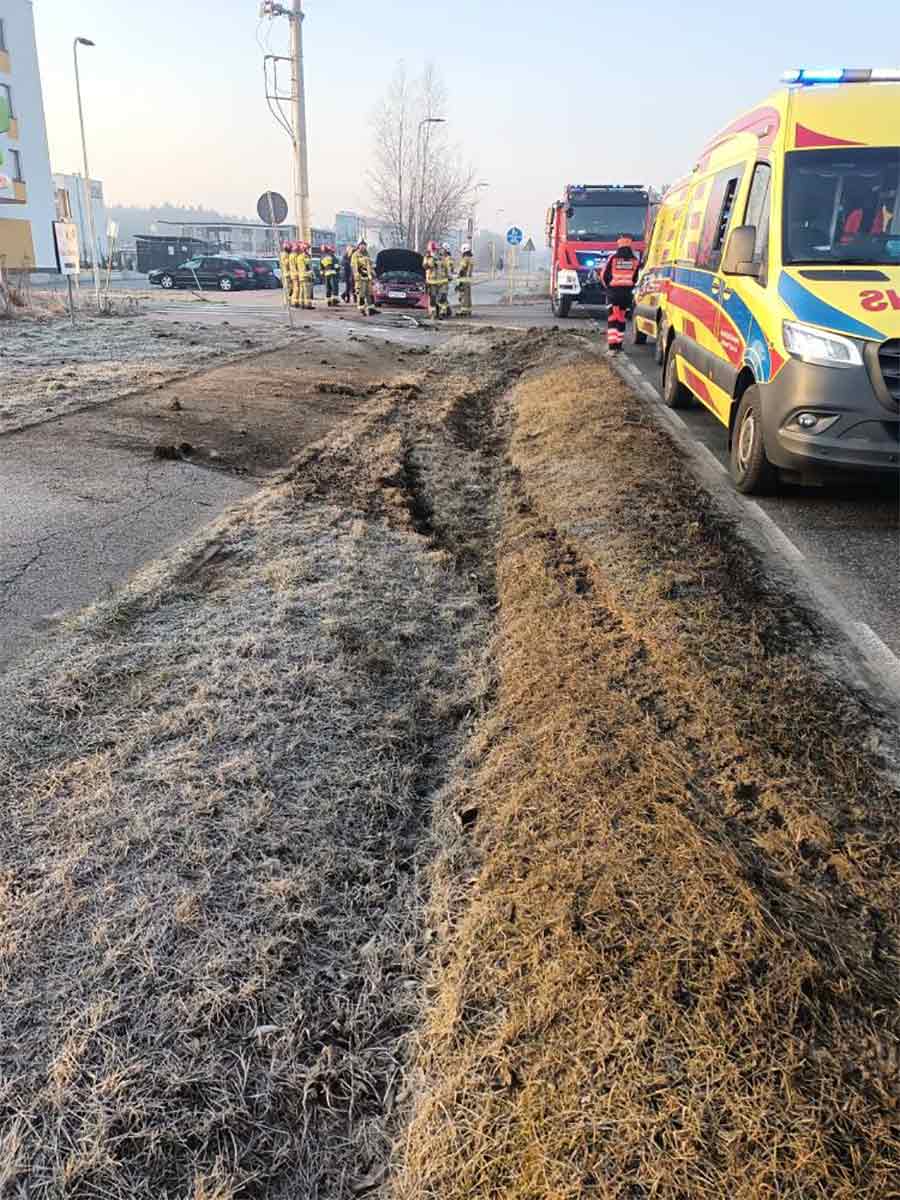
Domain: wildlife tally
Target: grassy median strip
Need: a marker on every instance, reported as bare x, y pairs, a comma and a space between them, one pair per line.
669, 968
221, 789
477, 725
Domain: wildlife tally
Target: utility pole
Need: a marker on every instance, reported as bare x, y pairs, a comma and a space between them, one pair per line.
301, 169
296, 125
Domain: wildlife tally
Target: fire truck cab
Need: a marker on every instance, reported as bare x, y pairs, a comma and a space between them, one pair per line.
581, 232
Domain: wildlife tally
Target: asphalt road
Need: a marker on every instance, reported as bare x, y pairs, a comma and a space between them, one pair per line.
78, 517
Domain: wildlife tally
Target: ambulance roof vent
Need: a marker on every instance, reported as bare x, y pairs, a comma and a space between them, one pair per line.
809, 75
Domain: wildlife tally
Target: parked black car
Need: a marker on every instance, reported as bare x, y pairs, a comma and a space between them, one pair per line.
263, 273
209, 271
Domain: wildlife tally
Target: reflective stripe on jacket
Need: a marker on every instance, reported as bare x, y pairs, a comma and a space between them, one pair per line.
435, 270
620, 271
362, 265
329, 264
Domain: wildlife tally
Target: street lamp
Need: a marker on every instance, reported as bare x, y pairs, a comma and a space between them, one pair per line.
86, 182
482, 183
420, 170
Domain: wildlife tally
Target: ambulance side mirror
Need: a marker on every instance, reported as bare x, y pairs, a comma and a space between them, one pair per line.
738, 257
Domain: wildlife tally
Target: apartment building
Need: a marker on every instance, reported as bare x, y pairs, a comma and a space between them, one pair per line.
27, 200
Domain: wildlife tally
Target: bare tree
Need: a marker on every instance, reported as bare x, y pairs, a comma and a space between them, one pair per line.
419, 182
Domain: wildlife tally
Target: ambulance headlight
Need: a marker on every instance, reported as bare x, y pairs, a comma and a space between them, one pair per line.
812, 345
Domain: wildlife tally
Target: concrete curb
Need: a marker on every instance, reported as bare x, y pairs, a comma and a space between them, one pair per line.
859, 655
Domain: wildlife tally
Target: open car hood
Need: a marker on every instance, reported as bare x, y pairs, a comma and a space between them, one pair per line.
399, 260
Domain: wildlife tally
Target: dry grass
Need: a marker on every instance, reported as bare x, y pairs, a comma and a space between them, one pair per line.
218, 793
670, 969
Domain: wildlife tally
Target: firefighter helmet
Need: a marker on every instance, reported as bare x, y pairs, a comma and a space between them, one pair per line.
433, 247
466, 248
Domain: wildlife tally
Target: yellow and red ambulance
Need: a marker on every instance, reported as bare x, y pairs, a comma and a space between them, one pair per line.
771, 282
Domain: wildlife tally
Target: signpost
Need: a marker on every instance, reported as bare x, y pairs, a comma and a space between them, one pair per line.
68, 257
514, 238
271, 208
112, 237
528, 249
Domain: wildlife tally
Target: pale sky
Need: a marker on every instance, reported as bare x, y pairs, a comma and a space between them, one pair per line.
540, 95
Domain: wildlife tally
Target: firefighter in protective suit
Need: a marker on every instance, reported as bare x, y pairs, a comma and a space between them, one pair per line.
464, 282
437, 281
363, 274
305, 276
294, 265
619, 278
330, 268
284, 261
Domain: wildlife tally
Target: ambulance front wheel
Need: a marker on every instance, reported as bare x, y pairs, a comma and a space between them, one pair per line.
561, 306
637, 337
751, 471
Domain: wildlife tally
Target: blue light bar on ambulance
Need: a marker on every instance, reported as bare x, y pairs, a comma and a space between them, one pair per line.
809, 75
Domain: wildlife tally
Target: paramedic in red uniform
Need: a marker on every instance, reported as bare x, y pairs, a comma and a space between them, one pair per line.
619, 278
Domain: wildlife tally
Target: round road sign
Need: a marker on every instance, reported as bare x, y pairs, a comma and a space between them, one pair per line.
271, 208
514, 235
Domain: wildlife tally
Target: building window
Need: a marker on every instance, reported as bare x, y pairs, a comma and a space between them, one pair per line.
6, 94
15, 161
3, 45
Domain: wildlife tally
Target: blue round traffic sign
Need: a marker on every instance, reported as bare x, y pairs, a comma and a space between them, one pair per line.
514, 235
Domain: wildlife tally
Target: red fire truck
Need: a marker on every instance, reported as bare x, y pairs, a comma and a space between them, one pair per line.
581, 232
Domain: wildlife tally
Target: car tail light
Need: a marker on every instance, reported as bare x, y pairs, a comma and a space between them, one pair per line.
239, 274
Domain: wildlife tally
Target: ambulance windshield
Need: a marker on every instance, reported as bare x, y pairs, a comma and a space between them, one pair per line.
840, 206
604, 222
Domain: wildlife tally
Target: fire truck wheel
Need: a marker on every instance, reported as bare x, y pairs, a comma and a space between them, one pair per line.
561, 306
637, 338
